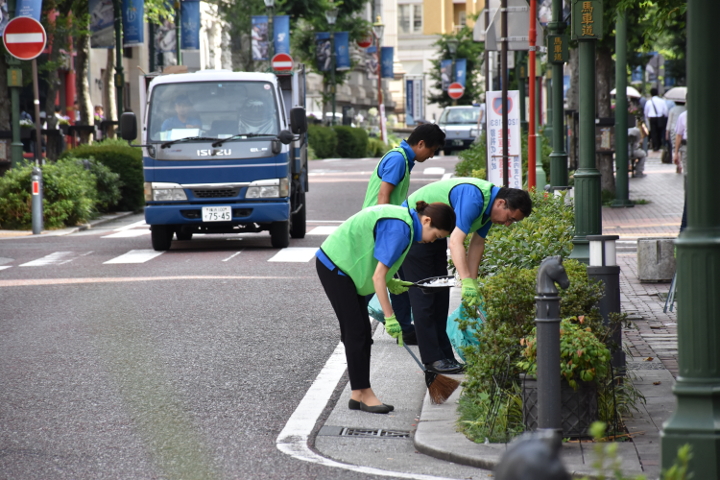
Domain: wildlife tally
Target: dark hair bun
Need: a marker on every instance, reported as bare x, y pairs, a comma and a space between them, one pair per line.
420, 206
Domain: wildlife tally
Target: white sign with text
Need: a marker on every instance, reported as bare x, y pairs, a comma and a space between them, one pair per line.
495, 138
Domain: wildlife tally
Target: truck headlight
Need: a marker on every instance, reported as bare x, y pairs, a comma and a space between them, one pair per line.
164, 192
272, 188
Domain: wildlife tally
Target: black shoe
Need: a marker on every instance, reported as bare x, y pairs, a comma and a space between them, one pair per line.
376, 408
460, 366
355, 405
410, 337
443, 366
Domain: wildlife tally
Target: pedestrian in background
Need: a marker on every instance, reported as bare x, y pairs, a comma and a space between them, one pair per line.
673, 115
361, 257
656, 112
389, 184
477, 204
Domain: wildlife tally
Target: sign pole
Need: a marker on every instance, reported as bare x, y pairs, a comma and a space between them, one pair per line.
36, 178
504, 76
38, 124
532, 138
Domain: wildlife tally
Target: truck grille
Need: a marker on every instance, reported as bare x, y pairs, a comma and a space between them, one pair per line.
216, 192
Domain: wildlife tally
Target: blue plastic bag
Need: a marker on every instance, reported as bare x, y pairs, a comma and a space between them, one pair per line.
375, 310
461, 338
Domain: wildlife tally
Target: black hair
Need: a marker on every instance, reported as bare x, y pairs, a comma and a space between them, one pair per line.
430, 132
516, 199
653, 91
442, 216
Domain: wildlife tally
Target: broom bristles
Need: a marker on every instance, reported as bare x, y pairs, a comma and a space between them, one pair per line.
441, 388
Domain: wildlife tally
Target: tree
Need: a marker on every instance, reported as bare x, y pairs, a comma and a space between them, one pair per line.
466, 48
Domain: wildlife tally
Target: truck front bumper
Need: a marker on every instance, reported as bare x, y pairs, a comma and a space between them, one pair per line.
242, 213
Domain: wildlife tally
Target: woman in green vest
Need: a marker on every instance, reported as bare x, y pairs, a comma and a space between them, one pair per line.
361, 258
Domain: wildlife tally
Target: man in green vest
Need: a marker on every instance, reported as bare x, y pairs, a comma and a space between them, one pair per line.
389, 184
477, 204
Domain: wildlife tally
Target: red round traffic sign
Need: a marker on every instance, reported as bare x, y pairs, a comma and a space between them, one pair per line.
455, 90
365, 42
282, 62
24, 38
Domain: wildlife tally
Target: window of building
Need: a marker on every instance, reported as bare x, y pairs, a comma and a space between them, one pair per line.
410, 18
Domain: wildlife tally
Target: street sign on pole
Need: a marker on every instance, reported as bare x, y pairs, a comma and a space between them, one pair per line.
24, 38
365, 42
282, 62
455, 90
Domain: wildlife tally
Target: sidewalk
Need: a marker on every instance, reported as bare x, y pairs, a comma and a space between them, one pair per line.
650, 338
65, 231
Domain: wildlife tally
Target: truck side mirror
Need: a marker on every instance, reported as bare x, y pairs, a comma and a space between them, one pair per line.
286, 137
128, 126
298, 120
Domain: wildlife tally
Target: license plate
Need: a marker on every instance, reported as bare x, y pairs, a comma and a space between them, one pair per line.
457, 142
216, 214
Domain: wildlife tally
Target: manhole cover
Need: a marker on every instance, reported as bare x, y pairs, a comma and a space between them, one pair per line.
329, 430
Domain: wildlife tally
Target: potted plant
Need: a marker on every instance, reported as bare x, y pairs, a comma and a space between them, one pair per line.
583, 364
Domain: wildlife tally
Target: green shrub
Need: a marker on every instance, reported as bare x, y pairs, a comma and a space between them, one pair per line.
351, 142
472, 159
323, 141
107, 185
69, 195
376, 148
122, 159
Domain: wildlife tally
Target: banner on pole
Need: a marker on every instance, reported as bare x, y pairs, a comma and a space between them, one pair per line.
30, 8
445, 74
460, 70
414, 101
101, 24
371, 62
494, 111
322, 51
281, 33
386, 58
342, 51
260, 44
190, 21
133, 13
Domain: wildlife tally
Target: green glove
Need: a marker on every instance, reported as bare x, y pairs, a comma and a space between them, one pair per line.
397, 286
470, 293
392, 327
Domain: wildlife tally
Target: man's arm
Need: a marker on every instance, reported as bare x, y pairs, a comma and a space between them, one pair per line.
475, 253
384, 194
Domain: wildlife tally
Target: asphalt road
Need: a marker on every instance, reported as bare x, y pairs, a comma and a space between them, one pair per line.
184, 365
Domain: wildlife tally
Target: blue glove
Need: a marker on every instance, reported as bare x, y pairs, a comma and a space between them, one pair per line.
397, 286
392, 327
470, 294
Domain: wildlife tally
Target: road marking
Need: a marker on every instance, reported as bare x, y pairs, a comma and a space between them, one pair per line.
135, 256
69, 281
322, 231
52, 259
293, 439
132, 225
233, 255
70, 260
434, 171
3, 268
446, 176
127, 234
294, 254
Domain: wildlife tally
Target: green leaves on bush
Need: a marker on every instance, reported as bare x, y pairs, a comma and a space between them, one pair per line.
323, 140
352, 142
69, 195
376, 148
343, 142
124, 160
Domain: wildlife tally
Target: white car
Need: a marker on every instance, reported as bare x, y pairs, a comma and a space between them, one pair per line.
460, 125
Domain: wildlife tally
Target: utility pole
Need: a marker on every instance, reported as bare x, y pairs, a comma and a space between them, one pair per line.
697, 389
119, 76
532, 138
622, 198
504, 77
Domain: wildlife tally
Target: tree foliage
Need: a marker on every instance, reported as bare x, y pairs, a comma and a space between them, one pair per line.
468, 49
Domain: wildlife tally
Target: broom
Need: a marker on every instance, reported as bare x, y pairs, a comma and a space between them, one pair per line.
440, 387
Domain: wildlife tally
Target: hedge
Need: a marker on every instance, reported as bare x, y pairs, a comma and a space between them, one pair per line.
352, 142
323, 141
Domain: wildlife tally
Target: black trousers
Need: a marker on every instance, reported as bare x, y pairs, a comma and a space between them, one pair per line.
657, 133
351, 311
430, 311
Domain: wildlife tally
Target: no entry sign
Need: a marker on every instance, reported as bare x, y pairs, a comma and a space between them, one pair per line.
282, 62
455, 90
24, 38
365, 42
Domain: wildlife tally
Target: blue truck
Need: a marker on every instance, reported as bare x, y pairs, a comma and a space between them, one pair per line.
223, 152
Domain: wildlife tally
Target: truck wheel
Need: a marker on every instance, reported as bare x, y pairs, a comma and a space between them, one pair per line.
280, 234
297, 230
161, 236
184, 236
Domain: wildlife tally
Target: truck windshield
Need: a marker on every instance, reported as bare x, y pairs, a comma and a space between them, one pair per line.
212, 109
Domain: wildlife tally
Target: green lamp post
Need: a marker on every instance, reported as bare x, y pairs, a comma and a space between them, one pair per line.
331, 17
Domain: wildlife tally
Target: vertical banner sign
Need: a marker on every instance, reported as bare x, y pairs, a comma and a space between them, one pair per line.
133, 12
31, 8
557, 48
413, 100
281, 33
190, 21
409, 99
260, 45
445, 74
587, 20
342, 51
371, 62
4, 16
322, 51
101, 24
165, 34
460, 71
386, 57
495, 136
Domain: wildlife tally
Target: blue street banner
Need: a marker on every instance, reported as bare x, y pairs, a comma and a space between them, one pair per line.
190, 23
260, 43
4, 16
445, 74
386, 62
342, 51
281, 32
322, 51
413, 99
30, 8
460, 70
101, 24
133, 13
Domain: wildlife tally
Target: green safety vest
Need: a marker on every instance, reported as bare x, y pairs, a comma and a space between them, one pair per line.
399, 193
352, 245
440, 192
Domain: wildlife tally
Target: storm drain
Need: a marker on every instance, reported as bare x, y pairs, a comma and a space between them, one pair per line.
333, 431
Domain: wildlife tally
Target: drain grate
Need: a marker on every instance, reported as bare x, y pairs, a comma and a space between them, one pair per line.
329, 430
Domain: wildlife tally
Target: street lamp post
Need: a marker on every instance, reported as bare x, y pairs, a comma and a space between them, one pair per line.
270, 7
378, 28
331, 17
452, 45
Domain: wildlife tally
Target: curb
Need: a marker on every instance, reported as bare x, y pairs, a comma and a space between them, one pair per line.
8, 234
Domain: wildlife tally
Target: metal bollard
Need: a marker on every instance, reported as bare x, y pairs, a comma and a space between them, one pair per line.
547, 321
37, 201
603, 266
533, 456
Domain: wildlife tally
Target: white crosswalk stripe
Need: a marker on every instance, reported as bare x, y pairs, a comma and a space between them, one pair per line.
135, 256
5, 266
434, 171
294, 254
54, 258
128, 233
324, 230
